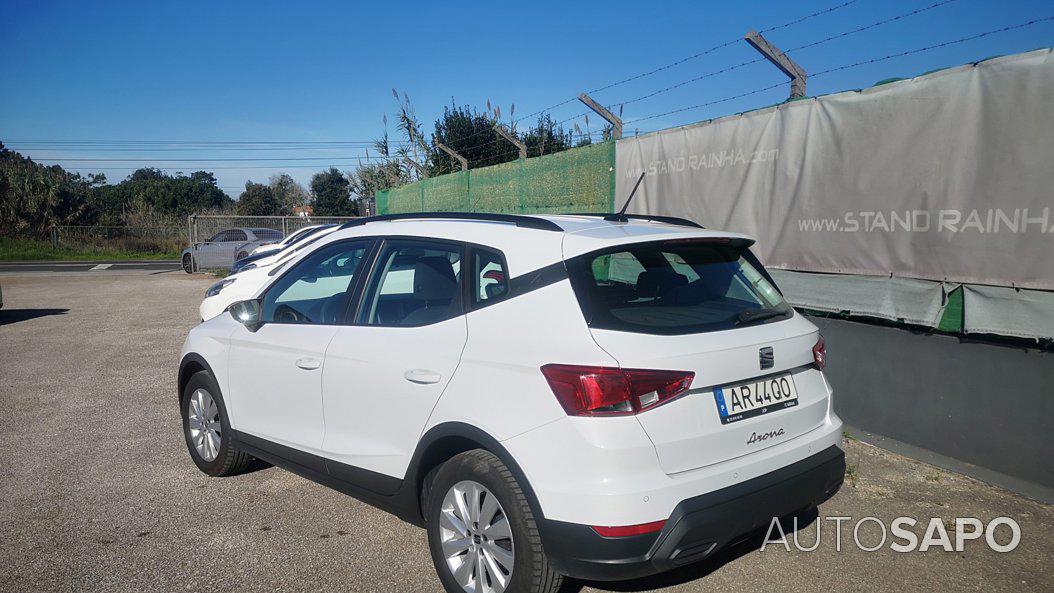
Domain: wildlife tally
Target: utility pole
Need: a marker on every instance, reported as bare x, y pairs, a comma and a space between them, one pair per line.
614, 120
780, 60
456, 156
508, 136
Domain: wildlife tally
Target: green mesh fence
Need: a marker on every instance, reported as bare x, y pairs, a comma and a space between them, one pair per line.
576, 180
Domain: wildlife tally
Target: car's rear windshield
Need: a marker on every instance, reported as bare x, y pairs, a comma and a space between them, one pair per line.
675, 287
268, 234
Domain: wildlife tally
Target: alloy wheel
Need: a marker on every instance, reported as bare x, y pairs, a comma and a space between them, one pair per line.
476, 538
188, 264
203, 422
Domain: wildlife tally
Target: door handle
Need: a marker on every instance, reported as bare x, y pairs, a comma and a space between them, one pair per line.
309, 364
422, 376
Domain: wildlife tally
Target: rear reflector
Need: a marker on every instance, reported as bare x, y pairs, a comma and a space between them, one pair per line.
608, 391
629, 530
819, 354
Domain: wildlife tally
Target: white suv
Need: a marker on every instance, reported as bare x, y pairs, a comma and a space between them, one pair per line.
602, 398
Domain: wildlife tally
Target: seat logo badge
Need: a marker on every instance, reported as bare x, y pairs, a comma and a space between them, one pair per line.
767, 359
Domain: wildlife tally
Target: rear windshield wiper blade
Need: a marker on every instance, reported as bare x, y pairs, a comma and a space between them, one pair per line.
752, 315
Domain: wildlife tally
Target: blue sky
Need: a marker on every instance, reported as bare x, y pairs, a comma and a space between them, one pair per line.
323, 71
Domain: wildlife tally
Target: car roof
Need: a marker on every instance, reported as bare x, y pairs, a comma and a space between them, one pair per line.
531, 246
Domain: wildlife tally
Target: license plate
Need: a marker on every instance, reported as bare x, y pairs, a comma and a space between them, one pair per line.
754, 398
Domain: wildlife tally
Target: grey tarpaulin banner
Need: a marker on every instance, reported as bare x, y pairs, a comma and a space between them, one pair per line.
918, 302
946, 177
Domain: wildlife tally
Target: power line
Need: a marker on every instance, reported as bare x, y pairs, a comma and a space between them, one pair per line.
678, 62
720, 46
757, 60
204, 160
854, 65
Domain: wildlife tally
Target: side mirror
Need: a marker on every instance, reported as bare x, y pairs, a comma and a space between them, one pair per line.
248, 313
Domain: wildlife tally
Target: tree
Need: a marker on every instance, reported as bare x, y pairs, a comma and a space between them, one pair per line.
258, 200
546, 137
288, 192
471, 135
331, 194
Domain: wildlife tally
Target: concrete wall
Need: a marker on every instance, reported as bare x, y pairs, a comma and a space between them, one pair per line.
980, 403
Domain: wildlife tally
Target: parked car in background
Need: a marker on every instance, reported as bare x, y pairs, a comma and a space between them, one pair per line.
248, 274
601, 398
273, 248
291, 238
225, 247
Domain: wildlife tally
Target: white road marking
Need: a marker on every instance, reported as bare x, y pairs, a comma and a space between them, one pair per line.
102, 266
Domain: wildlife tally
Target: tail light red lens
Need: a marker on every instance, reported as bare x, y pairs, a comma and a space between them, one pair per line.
819, 354
608, 391
628, 530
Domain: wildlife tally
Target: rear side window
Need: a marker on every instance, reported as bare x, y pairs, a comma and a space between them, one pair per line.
674, 287
491, 280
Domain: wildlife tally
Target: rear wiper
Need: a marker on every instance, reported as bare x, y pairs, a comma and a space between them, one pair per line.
752, 315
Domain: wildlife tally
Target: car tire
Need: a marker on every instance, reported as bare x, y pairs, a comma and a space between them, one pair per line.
209, 443
242, 255
188, 263
459, 553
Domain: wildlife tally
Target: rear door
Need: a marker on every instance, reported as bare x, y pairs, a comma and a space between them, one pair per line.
704, 307
385, 373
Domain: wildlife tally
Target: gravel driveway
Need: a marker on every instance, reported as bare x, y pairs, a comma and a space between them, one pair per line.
99, 494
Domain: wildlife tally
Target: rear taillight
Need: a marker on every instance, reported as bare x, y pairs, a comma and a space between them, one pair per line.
628, 530
607, 391
819, 354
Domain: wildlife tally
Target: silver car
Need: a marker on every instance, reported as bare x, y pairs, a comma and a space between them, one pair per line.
226, 247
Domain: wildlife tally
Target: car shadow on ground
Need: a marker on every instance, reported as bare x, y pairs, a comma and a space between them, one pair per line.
9, 316
744, 546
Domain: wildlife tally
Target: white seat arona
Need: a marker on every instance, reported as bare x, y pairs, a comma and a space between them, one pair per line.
601, 398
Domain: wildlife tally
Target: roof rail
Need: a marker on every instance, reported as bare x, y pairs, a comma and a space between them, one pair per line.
527, 222
666, 219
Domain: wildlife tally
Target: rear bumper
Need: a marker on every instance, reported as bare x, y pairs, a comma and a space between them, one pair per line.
698, 526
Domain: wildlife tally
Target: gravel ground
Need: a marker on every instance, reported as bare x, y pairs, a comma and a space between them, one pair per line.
99, 494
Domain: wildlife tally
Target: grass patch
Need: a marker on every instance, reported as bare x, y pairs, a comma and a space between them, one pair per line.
12, 249
852, 474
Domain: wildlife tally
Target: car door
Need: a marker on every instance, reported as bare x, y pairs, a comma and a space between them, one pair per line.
205, 253
386, 371
276, 371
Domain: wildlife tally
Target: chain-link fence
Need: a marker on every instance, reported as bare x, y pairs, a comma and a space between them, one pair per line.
206, 228
217, 241
576, 180
146, 241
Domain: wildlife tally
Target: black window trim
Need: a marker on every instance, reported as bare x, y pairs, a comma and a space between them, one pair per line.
352, 315
472, 288
350, 295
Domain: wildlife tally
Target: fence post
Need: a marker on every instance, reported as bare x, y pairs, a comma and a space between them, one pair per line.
780, 60
285, 233
55, 236
506, 134
614, 120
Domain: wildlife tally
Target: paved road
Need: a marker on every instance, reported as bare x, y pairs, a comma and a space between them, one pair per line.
98, 493
90, 266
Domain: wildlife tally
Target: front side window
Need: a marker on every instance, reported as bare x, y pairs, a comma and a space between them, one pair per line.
315, 290
414, 283
237, 235
674, 287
